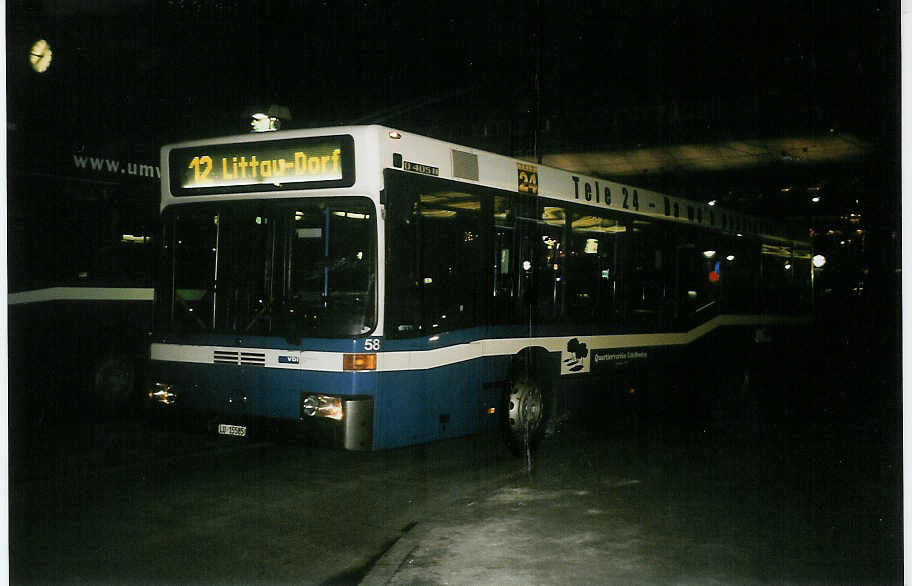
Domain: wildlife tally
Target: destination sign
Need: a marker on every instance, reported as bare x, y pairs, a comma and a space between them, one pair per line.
294, 163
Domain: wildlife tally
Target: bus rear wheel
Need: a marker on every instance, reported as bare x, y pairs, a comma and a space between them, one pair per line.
525, 415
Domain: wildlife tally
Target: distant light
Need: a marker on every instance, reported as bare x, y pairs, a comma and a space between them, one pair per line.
260, 122
815, 199
730, 257
819, 260
788, 266
786, 189
395, 134
711, 202
709, 253
40, 56
739, 235
527, 265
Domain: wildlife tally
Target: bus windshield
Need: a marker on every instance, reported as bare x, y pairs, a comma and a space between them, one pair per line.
291, 268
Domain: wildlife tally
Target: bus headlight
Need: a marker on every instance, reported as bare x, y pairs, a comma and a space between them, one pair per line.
162, 393
321, 406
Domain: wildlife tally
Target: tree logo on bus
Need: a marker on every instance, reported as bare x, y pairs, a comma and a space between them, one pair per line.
575, 358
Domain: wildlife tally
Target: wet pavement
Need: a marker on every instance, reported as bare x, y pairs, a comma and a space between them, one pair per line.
698, 509
636, 501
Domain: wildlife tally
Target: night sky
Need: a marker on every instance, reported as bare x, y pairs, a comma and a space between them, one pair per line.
190, 67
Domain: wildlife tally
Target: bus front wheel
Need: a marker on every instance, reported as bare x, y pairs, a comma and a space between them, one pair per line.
525, 411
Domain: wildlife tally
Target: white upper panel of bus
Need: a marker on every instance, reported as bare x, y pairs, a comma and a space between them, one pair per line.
377, 148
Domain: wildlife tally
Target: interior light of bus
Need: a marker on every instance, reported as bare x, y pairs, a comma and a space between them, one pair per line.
730, 257
395, 134
359, 362
711, 202
788, 266
322, 406
709, 253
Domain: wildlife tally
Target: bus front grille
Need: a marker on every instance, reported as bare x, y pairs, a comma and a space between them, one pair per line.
236, 357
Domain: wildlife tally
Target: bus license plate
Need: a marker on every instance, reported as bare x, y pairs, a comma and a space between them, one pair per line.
238, 430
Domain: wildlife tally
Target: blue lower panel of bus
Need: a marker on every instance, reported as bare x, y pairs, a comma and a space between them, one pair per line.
407, 407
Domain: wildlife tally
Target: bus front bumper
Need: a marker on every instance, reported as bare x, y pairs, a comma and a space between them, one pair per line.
338, 421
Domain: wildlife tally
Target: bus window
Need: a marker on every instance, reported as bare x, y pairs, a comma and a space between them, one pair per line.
505, 264
777, 269
645, 274
591, 267
194, 244
403, 293
329, 279
740, 265
451, 259
785, 279
437, 273
698, 278
548, 262
243, 285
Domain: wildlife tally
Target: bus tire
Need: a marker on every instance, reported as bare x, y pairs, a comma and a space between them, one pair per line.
526, 413
114, 380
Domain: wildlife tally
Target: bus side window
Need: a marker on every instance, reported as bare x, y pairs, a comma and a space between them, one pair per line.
698, 278
452, 262
549, 264
645, 278
506, 261
591, 268
403, 290
741, 263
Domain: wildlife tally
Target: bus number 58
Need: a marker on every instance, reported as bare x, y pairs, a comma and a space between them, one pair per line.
372, 345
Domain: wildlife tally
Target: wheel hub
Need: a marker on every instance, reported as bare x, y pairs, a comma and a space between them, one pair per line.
526, 407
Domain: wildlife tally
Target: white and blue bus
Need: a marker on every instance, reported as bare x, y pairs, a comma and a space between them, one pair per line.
376, 289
